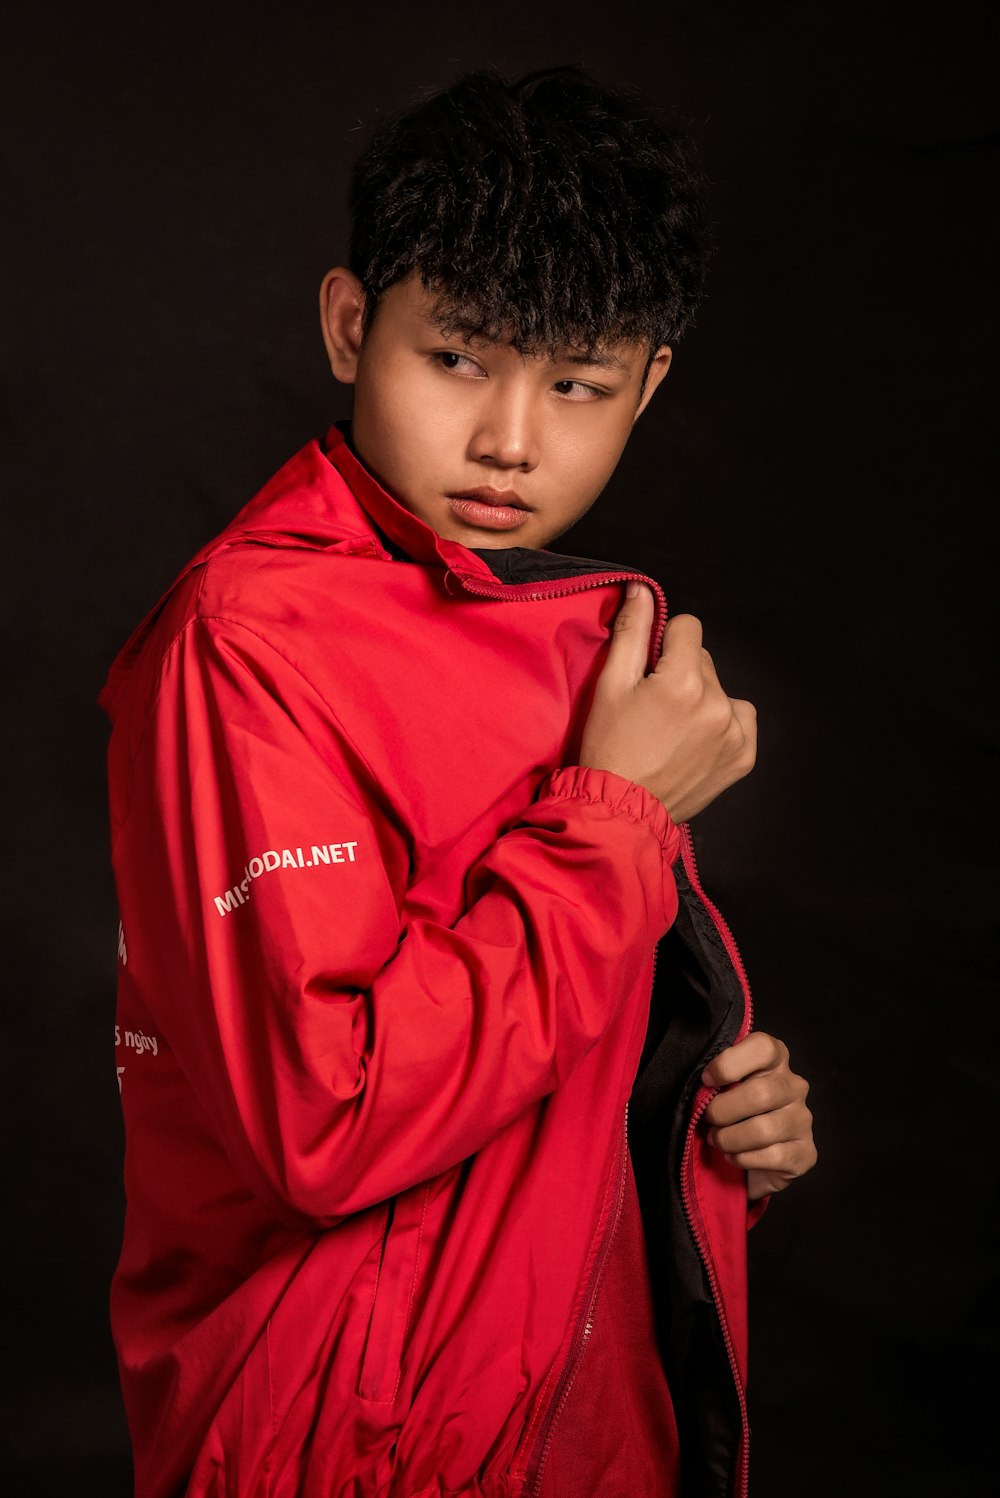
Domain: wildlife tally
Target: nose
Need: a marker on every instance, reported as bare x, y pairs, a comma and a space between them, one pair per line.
505, 434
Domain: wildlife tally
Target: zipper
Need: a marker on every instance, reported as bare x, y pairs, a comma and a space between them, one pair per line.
526, 592
688, 1201
536, 1464
563, 587
698, 1233
719, 922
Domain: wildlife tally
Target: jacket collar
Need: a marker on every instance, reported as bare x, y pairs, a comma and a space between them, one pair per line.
415, 539
322, 498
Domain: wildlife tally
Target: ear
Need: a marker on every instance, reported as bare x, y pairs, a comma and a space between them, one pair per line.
341, 304
658, 367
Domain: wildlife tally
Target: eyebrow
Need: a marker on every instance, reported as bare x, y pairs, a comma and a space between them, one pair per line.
600, 361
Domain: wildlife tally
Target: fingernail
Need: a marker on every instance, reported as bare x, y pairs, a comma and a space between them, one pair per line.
631, 589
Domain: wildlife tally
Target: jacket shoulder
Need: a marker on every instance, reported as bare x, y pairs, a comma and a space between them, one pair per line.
305, 510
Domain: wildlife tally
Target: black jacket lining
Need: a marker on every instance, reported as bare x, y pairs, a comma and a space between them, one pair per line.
696, 1010
522, 564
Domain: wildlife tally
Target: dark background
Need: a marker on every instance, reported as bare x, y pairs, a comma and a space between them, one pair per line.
811, 481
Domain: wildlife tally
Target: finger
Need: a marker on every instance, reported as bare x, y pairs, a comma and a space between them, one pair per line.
788, 1160
682, 632
766, 1182
746, 716
629, 652
682, 636
761, 1093
782, 1126
757, 1051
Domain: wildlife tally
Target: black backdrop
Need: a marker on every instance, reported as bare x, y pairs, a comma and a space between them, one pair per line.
811, 481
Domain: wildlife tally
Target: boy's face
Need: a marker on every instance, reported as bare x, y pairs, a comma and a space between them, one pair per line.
487, 447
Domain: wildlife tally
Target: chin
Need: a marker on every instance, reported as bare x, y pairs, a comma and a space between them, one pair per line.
495, 542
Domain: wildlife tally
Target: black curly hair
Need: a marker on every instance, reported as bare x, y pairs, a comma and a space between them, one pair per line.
550, 212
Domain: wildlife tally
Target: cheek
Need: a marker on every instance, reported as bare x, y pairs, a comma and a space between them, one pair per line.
418, 422
588, 460
389, 423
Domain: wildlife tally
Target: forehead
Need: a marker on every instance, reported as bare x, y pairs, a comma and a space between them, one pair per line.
414, 307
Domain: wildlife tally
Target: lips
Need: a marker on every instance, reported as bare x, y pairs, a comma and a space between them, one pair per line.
506, 498
489, 509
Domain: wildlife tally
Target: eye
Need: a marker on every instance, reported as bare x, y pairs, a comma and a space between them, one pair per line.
576, 390
457, 363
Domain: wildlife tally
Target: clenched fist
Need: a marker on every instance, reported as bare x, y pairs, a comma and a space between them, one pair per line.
760, 1118
674, 730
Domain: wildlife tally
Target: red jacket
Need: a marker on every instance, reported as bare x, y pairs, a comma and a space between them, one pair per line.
385, 968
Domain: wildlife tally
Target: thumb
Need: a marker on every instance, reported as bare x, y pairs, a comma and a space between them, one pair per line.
627, 658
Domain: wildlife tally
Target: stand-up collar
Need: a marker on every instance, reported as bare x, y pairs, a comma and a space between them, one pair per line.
405, 530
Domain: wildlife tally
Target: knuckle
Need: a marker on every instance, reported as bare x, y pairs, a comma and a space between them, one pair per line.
799, 1163
737, 746
763, 1098
722, 712
721, 1061
688, 692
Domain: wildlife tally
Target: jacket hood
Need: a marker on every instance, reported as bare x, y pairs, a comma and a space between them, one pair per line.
323, 498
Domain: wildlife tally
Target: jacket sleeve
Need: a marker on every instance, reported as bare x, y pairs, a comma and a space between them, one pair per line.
341, 1052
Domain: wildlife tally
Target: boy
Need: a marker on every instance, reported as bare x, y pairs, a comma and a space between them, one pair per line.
396, 835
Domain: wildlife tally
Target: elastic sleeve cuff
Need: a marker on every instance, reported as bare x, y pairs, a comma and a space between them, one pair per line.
578, 782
